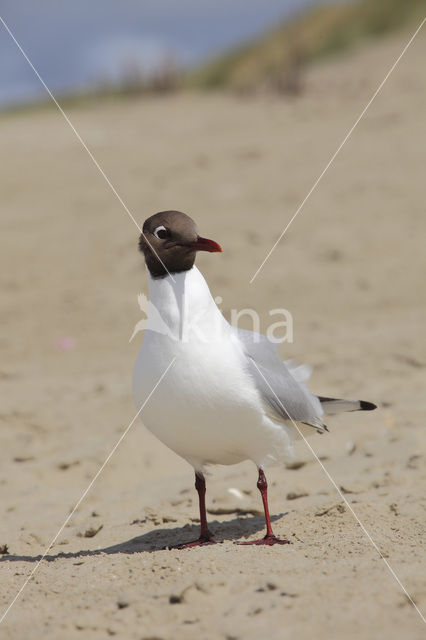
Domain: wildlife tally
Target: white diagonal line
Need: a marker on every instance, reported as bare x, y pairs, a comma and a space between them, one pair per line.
84, 494
344, 498
333, 157
84, 145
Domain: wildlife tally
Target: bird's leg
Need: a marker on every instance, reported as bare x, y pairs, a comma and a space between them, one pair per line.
262, 485
200, 485
269, 538
205, 535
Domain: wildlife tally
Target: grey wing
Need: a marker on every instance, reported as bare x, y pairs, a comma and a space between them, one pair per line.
280, 383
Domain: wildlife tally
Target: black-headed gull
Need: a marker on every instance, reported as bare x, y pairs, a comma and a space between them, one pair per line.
228, 396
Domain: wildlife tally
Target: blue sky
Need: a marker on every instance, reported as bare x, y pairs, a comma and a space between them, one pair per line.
74, 43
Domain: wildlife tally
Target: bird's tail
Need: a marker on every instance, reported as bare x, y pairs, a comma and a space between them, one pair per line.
335, 405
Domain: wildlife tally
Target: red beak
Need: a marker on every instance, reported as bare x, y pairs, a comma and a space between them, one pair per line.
204, 244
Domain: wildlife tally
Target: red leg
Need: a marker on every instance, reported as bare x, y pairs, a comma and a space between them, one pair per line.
205, 535
269, 538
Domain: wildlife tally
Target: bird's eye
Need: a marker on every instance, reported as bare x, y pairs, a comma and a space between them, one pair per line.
161, 232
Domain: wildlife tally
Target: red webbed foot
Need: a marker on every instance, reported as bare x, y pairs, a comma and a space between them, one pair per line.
268, 540
202, 541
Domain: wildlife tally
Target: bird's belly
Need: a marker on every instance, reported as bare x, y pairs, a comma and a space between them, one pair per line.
206, 408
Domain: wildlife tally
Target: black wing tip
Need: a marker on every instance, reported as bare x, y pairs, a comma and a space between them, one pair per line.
367, 406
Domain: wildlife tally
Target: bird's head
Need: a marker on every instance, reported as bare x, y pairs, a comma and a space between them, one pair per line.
170, 241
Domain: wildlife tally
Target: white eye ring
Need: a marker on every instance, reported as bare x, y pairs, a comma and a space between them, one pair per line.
158, 234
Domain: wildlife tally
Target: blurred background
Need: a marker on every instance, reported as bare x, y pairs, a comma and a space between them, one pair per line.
130, 47
228, 111
119, 46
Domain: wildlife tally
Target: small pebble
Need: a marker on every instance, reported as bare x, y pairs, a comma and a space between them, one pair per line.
297, 464
293, 495
92, 531
350, 447
236, 493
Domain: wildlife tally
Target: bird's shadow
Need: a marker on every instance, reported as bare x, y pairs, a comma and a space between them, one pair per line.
161, 539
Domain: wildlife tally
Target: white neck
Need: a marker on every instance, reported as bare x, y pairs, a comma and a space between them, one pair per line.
183, 303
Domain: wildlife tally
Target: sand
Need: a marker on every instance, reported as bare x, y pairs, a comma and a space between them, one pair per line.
351, 271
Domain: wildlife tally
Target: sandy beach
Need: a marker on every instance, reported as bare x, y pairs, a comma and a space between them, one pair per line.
351, 270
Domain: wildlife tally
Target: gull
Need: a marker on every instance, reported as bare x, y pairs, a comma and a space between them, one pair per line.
229, 396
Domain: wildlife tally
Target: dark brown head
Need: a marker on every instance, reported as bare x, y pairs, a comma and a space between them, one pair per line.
169, 242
